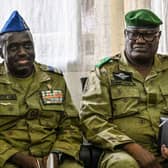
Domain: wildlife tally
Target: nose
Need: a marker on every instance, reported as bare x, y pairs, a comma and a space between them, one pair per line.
140, 39
21, 51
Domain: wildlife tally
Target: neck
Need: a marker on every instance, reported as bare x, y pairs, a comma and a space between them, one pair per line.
143, 67
144, 71
22, 74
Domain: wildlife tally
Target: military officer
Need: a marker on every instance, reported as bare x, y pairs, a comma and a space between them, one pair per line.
37, 115
125, 96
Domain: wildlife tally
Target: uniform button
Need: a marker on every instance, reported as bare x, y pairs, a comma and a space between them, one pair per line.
47, 124
10, 132
125, 100
10, 108
142, 121
30, 130
114, 106
119, 91
33, 114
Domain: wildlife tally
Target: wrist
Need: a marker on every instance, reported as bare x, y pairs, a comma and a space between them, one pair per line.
58, 154
129, 145
14, 158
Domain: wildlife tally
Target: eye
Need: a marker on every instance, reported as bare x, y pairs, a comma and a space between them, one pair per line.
13, 47
132, 35
28, 45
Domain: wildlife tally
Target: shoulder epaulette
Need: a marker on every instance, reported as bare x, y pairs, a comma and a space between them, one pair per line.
103, 61
116, 57
162, 56
51, 69
2, 68
108, 59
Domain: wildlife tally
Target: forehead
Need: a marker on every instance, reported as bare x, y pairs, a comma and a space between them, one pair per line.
18, 37
143, 30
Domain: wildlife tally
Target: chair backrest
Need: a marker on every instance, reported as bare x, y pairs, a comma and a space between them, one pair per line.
89, 154
83, 81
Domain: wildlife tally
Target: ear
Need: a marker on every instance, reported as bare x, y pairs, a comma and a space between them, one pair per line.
160, 34
125, 32
1, 54
1, 44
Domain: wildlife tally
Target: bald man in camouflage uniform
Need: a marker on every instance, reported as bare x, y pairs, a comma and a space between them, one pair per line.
37, 115
125, 96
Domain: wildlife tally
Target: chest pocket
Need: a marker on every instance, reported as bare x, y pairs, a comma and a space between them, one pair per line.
9, 113
9, 108
124, 100
51, 115
164, 93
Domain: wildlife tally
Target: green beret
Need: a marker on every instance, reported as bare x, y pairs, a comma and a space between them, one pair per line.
142, 18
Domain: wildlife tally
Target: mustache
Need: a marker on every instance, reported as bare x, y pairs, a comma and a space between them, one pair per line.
140, 46
23, 57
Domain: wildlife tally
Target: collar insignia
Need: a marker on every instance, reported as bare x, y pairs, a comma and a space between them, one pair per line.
123, 76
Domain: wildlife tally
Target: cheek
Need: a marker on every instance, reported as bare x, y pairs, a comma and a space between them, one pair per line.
153, 47
129, 45
31, 53
9, 60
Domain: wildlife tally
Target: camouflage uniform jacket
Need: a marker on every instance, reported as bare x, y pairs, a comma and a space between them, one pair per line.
120, 106
40, 121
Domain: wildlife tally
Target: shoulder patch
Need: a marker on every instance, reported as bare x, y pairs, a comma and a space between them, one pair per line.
162, 56
51, 69
103, 61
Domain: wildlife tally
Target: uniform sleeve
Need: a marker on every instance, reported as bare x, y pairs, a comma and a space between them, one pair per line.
96, 112
6, 151
70, 137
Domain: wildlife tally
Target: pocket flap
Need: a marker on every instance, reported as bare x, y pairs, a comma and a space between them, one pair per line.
9, 108
124, 91
52, 107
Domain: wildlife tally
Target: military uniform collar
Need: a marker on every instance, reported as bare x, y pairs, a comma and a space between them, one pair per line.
41, 76
4, 74
158, 66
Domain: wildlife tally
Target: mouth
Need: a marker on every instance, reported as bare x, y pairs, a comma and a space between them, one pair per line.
23, 61
140, 49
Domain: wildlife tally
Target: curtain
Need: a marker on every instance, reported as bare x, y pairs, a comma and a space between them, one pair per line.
55, 26
161, 8
96, 32
75, 34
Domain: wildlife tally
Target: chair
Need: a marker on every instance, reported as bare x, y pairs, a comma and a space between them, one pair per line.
89, 154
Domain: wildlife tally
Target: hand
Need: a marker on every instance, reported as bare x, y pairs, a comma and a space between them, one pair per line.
164, 151
144, 158
56, 160
43, 163
24, 161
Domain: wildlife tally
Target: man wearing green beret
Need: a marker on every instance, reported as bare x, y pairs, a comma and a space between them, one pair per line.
125, 96
39, 124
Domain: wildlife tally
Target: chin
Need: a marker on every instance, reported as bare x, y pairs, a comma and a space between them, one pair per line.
142, 55
23, 72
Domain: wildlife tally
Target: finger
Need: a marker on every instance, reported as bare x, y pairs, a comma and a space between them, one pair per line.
56, 160
154, 164
164, 151
157, 166
163, 145
44, 160
37, 163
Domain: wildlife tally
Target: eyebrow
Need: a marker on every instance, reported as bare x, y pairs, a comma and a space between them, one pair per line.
143, 32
